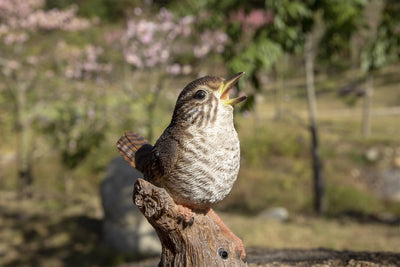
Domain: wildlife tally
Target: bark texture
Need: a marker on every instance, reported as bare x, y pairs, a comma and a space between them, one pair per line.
201, 244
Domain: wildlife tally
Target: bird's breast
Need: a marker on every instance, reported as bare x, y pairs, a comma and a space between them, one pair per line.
207, 166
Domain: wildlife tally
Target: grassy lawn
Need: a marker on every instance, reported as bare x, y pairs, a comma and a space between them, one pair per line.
311, 232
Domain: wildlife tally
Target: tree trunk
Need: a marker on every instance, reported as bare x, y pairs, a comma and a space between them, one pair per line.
201, 244
23, 151
278, 96
280, 70
366, 113
151, 108
319, 187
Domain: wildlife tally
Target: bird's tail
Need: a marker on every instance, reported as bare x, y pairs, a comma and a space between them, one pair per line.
135, 149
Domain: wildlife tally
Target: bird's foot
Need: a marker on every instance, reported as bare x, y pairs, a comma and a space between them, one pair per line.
239, 247
185, 215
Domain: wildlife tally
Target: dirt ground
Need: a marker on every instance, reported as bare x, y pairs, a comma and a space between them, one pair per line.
306, 257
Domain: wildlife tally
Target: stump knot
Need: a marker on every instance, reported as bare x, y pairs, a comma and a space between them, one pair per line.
151, 202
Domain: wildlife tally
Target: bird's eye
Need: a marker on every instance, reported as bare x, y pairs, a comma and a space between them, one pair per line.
200, 94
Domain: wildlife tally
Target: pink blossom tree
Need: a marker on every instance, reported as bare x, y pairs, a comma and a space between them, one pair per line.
23, 69
76, 120
161, 46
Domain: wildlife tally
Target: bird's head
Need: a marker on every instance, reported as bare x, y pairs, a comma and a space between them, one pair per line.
203, 99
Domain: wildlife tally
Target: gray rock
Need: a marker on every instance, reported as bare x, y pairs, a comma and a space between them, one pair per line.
277, 213
372, 154
125, 229
391, 184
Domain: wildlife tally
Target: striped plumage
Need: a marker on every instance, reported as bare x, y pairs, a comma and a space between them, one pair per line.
197, 157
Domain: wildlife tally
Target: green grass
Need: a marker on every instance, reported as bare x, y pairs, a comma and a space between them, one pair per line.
307, 232
344, 198
276, 168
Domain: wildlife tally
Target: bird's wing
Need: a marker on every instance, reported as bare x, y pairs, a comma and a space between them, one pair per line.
136, 150
166, 152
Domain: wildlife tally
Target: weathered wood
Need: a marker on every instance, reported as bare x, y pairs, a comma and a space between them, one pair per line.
201, 244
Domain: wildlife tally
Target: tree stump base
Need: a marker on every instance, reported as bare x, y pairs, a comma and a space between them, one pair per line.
201, 244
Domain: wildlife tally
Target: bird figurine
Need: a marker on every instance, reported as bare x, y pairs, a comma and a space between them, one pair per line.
197, 157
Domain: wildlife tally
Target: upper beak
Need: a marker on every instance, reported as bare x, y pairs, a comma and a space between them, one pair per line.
226, 88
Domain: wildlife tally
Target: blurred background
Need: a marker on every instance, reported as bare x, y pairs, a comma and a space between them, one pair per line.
319, 132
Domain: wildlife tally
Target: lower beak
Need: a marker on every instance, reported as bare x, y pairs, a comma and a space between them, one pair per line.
226, 88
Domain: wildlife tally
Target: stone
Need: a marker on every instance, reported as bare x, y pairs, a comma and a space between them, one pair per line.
276, 213
390, 189
125, 229
396, 162
372, 154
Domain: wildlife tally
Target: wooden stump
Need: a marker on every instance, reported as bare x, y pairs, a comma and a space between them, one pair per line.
201, 244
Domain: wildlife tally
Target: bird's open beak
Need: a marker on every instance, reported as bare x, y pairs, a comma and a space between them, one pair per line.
226, 88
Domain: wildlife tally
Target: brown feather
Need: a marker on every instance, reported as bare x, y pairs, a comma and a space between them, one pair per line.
135, 149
